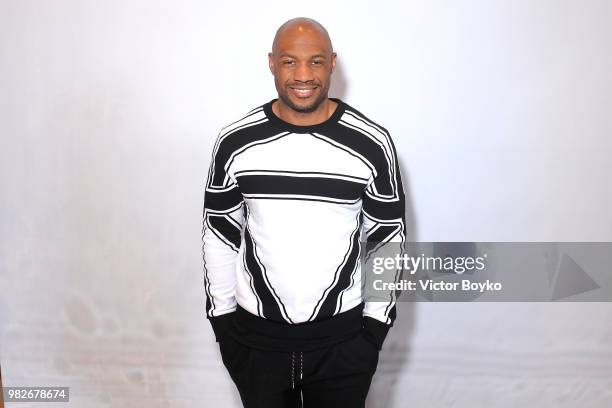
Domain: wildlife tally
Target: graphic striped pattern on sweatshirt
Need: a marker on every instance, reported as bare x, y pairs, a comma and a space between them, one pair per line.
285, 208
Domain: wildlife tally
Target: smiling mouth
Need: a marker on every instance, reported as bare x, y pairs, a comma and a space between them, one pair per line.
303, 93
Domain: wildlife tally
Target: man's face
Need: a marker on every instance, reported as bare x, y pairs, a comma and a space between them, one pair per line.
302, 63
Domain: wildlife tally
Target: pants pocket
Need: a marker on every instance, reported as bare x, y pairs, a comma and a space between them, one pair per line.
235, 356
356, 355
369, 350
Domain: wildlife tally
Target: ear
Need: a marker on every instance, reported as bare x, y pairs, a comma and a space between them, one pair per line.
271, 62
333, 61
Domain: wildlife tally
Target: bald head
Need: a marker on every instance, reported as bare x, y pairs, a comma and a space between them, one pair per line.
301, 27
302, 61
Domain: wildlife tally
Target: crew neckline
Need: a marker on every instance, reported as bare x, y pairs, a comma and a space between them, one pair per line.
280, 123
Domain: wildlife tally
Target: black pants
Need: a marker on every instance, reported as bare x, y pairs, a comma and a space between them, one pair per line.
336, 376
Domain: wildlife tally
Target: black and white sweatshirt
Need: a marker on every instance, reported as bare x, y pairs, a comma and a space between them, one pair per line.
284, 209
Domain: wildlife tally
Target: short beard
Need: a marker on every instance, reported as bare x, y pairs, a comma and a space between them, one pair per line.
303, 109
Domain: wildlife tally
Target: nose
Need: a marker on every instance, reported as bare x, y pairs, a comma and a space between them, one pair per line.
303, 72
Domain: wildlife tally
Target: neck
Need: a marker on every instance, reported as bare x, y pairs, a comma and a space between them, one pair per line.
319, 115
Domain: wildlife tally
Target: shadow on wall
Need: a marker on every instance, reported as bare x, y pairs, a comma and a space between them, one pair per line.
395, 355
338, 86
1, 398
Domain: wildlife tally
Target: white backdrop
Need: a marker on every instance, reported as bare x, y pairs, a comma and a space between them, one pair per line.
501, 112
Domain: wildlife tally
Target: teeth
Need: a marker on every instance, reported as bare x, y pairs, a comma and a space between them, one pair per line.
303, 91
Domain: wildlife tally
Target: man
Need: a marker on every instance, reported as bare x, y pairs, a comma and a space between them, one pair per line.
291, 187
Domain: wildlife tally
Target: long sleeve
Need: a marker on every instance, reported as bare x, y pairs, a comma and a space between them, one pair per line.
383, 214
223, 218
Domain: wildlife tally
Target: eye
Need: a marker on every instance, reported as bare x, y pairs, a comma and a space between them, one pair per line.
288, 62
317, 62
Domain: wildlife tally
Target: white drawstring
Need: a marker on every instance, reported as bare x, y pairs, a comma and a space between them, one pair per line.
292, 370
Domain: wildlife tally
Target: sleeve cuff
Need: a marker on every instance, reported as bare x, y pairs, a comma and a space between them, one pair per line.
375, 331
221, 324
